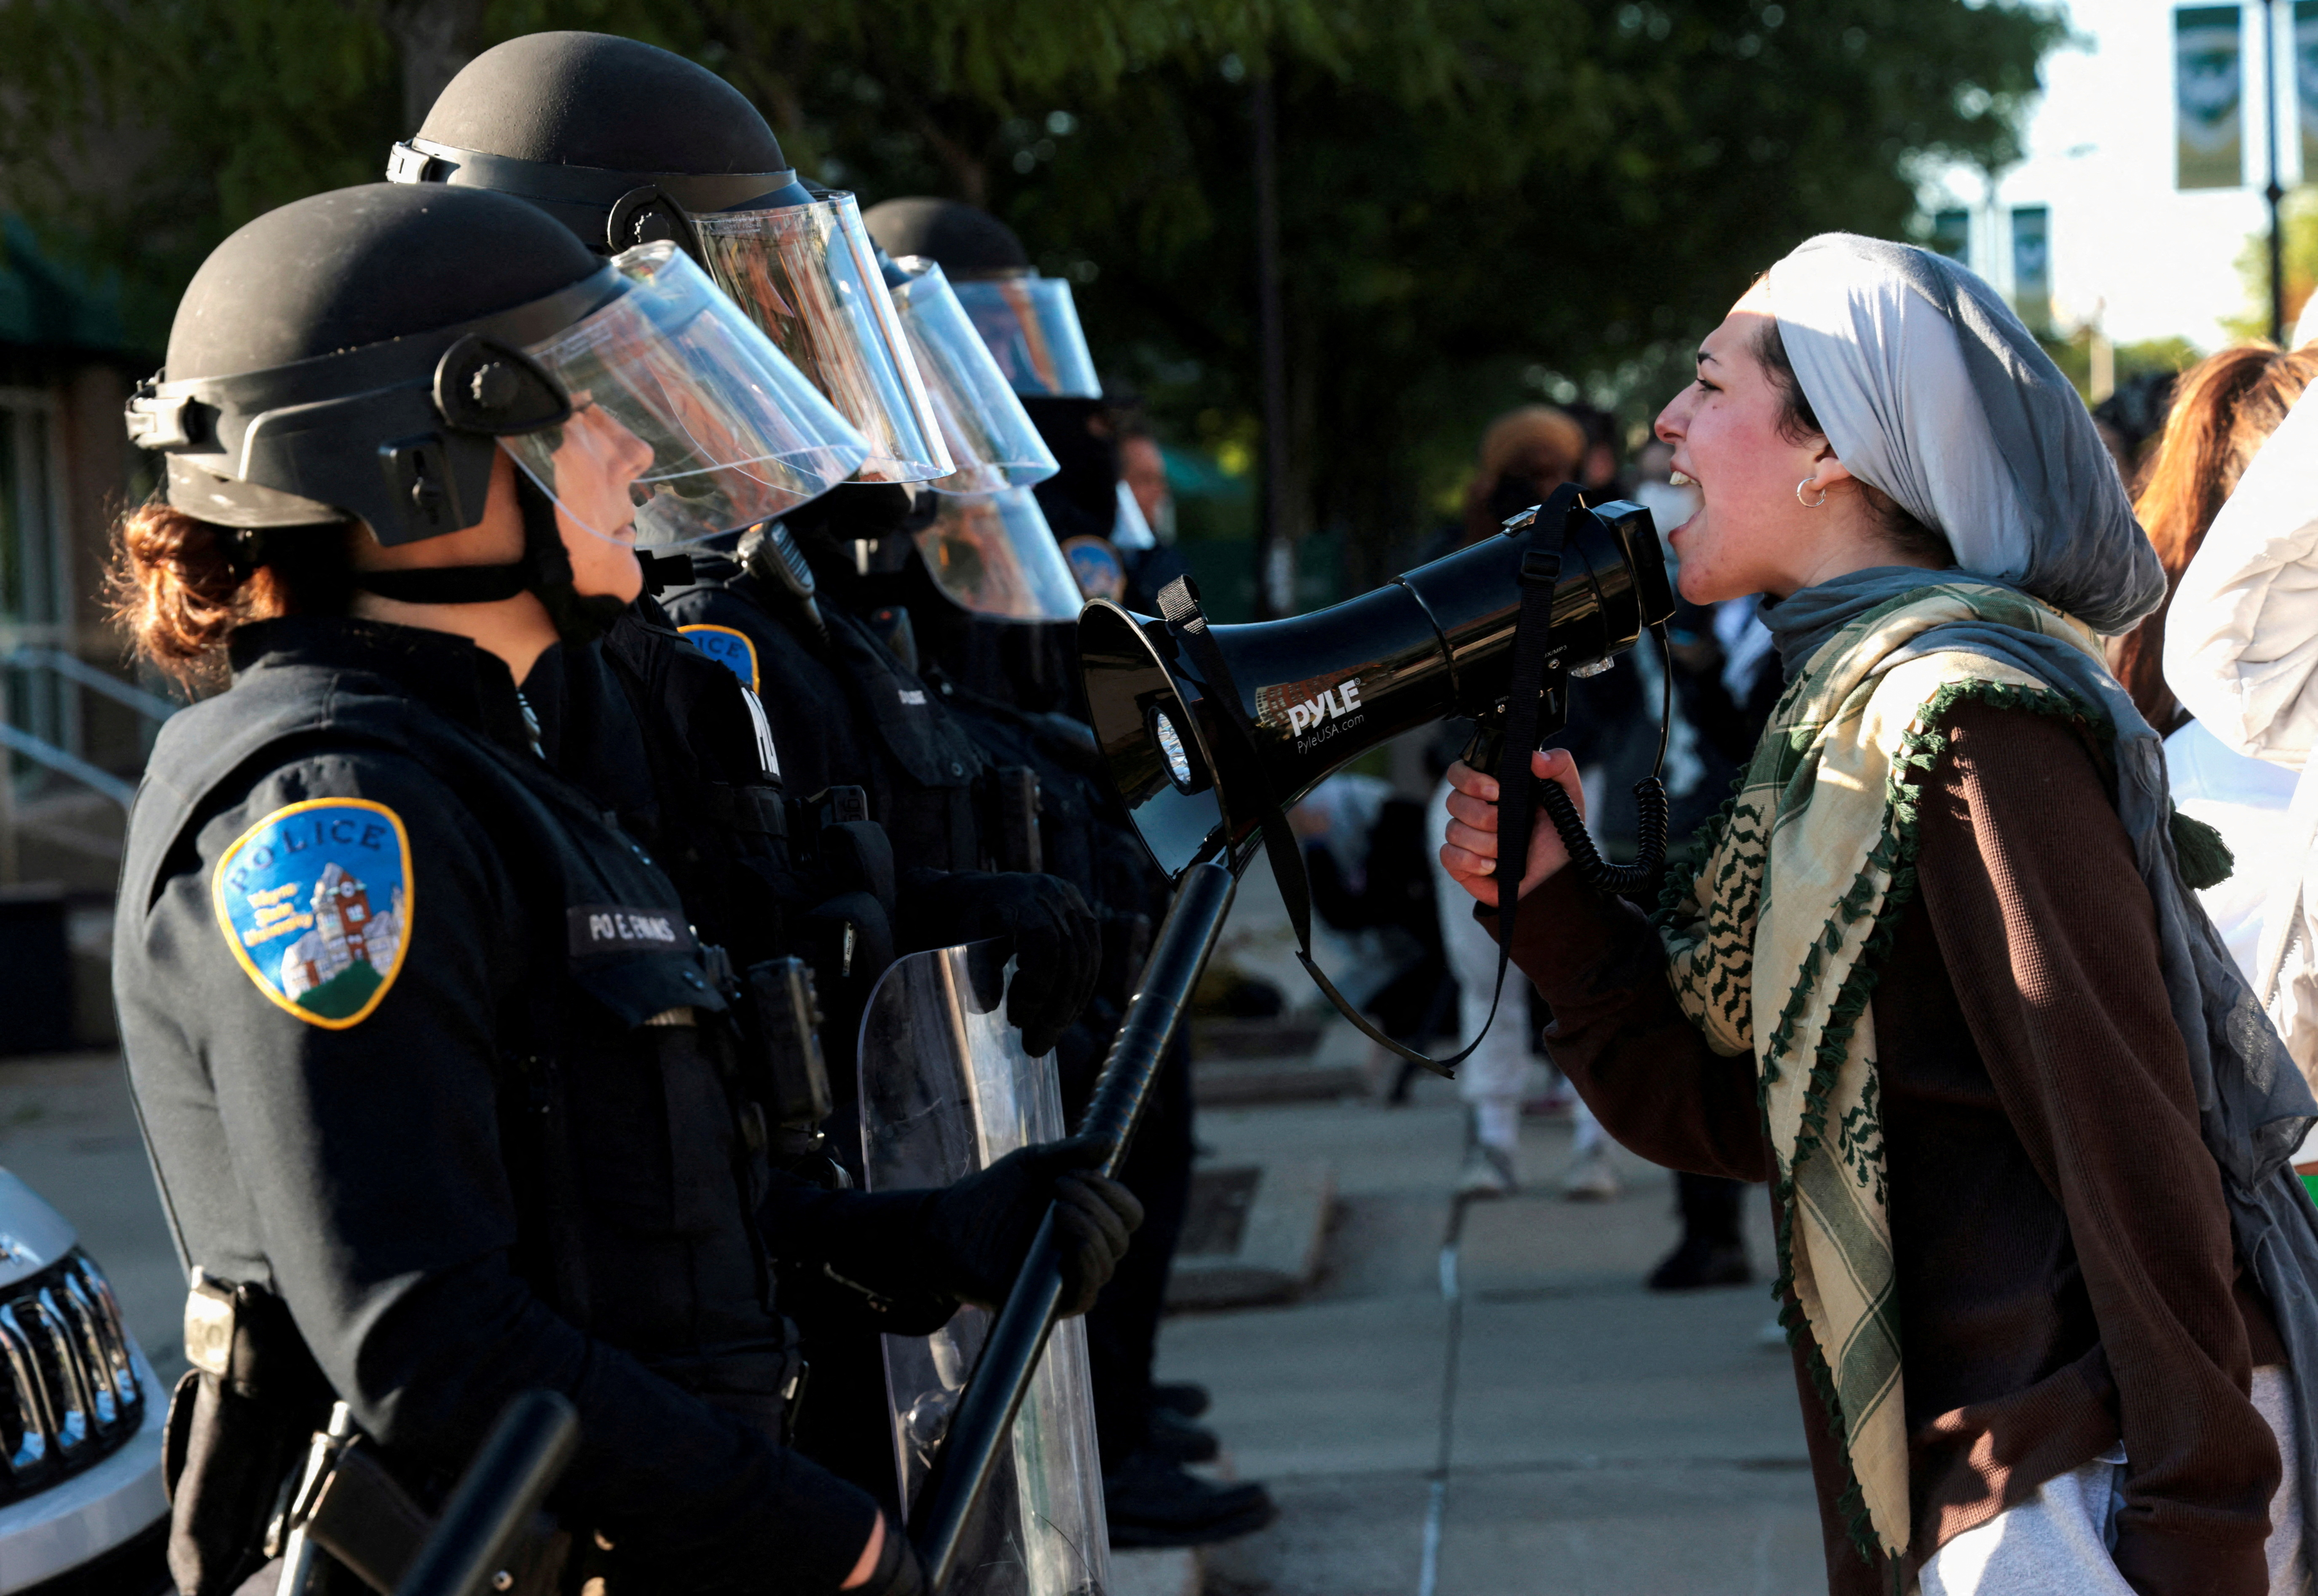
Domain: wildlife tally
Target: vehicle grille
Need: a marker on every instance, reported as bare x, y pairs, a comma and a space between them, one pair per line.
68, 1389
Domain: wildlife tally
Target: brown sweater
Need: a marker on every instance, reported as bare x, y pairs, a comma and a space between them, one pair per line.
2066, 1276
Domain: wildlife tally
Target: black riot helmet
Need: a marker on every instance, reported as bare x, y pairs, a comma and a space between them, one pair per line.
1031, 322
624, 144
965, 240
364, 355
357, 355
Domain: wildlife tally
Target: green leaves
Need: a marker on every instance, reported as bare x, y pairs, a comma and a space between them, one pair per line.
1469, 190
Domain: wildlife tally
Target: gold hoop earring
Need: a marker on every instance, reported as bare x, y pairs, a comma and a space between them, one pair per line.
1808, 504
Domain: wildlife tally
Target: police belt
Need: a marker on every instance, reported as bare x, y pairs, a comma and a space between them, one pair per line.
344, 1501
347, 1504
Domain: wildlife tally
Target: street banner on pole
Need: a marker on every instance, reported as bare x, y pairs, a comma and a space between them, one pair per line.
2209, 98
2031, 265
2305, 83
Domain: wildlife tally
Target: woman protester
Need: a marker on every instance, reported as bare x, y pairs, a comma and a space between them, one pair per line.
1939, 979
443, 1092
2224, 407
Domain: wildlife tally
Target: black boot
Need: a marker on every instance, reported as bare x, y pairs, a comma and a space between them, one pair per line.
1712, 1252
1182, 1395
1173, 1436
1698, 1262
1153, 1502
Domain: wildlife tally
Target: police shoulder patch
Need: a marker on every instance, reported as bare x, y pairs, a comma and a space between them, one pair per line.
1096, 566
729, 648
315, 901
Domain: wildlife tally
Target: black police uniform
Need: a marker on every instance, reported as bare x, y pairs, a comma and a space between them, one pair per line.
1085, 840
845, 712
488, 1146
683, 754
696, 779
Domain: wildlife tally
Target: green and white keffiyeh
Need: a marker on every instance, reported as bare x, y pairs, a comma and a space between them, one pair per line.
1803, 877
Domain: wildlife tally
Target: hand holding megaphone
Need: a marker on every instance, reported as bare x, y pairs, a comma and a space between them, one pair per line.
1470, 854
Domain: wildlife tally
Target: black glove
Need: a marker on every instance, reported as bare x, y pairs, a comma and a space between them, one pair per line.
1057, 941
898, 1572
982, 1227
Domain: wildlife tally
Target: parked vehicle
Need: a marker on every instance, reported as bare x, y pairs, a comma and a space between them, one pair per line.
82, 1512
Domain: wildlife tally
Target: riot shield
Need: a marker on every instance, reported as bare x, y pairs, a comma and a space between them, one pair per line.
947, 1090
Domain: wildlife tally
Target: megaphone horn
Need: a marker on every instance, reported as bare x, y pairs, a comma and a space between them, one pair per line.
1206, 729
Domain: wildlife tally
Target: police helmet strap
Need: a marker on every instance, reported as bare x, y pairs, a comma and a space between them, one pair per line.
544, 571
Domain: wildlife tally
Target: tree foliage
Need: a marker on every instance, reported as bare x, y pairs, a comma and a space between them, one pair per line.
2298, 227
1478, 199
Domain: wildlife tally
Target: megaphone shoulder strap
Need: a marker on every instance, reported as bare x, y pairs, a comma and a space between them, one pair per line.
1179, 603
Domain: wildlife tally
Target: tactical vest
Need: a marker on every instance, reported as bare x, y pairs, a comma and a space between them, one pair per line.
846, 710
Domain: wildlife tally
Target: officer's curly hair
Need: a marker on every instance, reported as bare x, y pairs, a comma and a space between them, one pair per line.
179, 585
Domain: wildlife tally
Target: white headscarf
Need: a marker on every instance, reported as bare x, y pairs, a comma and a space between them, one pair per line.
1930, 388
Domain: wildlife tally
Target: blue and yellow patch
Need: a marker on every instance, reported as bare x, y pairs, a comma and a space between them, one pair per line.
1096, 567
730, 649
314, 903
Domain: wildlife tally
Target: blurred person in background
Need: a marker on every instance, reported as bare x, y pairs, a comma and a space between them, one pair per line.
1599, 468
1365, 849
1525, 455
1144, 465
2223, 408
1669, 502
1143, 532
1726, 676
2130, 420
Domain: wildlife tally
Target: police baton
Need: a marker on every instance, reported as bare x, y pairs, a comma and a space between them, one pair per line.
993, 1393
468, 1553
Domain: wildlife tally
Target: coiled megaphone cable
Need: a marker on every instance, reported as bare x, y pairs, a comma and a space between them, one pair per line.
1650, 824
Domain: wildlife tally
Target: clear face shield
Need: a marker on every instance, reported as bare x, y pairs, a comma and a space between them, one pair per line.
685, 421
994, 554
990, 438
1031, 325
808, 275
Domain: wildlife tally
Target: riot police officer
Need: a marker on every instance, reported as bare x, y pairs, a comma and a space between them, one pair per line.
1006, 675
623, 142
440, 1086
1032, 328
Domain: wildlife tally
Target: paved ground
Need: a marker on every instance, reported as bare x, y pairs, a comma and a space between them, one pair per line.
1607, 1443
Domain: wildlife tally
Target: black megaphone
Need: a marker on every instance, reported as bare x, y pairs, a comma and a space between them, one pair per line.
1204, 730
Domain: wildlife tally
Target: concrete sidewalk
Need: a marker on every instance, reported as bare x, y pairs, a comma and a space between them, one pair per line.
1605, 1442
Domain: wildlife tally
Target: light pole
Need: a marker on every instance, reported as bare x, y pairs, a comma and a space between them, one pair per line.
2273, 193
